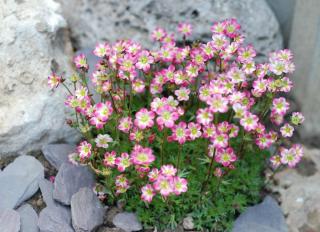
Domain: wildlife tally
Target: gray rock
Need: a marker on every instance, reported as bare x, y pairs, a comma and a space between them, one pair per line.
188, 223
19, 181
137, 19
127, 221
46, 188
9, 221
33, 41
266, 217
86, 210
69, 180
55, 219
57, 154
29, 219
304, 40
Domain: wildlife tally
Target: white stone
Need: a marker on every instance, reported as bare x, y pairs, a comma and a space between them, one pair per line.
33, 42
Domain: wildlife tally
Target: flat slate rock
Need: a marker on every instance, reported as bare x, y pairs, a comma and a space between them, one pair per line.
9, 221
127, 221
264, 217
46, 188
55, 219
28, 219
86, 210
19, 181
57, 154
69, 180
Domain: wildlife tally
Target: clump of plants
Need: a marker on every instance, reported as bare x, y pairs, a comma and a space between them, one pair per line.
184, 129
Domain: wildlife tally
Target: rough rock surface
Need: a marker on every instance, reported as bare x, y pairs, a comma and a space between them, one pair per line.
299, 192
9, 221
112, 20
33, 42
19, 181
86, 210
69, 180
55, 219
127, 221
57, 154
28, 219
264, 217
188, 223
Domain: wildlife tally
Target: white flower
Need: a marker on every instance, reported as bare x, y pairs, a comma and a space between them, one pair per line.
103, 140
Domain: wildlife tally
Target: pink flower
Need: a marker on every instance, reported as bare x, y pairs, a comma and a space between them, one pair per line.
54, 80
185, 28
280, 106
103, 110
167, 116
136, 135
218, 103
147, 193
81, 62
287, 130
289, 157
220, 140
81, 92
179, 133
125, 124
84, 150
122, 184
225, 156
153, 174
168, 170
275, 161
101, 49
264, 141
144, 119
204, 116
123, 162
144, 60
158, 34
110, 159
138, 86
194, 130
209, 131
246, 54
179, 185
142, 155
163, 186
249, 121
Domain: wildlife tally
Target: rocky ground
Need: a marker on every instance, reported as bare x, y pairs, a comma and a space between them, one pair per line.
46, 193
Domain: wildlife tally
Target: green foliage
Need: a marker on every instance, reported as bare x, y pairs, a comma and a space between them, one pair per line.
217, 207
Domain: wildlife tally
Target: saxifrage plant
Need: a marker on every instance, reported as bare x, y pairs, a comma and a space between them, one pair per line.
184, 129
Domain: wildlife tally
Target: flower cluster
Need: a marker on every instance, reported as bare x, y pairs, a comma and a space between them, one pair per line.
211, 93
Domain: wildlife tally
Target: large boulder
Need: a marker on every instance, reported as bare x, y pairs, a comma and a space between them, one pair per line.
33, 42
9, 221
112, 20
